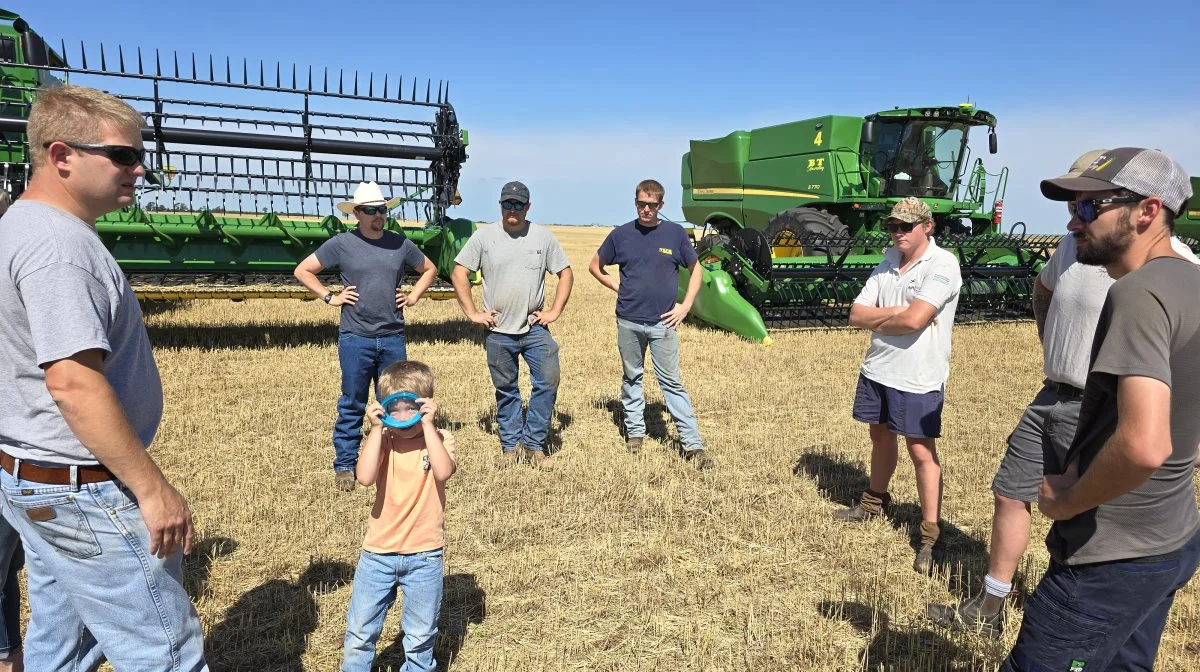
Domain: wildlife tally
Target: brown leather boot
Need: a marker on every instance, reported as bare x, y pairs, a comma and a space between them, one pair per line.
870, 504
929, 536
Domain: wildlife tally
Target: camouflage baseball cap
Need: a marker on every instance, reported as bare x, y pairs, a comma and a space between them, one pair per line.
911, 210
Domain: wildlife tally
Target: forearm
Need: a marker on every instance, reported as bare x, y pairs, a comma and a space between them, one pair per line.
1041, 306
562, 293
367, 469
462, 291
871, 317
1112, 474
311, 282
694, 283
897, 325
94, 414
423, 283
440, 464
601, 276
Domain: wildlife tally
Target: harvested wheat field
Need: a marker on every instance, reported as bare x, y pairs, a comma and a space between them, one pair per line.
610, 561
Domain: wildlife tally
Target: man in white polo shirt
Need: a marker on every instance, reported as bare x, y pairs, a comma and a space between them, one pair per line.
908, 303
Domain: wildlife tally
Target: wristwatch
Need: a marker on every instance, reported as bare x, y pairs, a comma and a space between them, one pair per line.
328, 297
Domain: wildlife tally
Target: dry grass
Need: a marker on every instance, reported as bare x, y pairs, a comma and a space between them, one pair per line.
610, 562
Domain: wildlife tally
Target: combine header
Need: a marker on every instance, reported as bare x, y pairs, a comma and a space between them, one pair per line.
245, 160
793, 216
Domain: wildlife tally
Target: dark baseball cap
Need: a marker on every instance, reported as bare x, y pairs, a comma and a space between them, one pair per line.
1145, 172
515, 191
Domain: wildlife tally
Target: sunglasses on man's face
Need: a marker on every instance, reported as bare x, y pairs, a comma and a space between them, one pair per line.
513, 205
1088, 209
898, 227
121, 155
642, 205
372, 209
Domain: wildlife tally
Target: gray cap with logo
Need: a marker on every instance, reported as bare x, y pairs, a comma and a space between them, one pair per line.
514, 191
1145, 172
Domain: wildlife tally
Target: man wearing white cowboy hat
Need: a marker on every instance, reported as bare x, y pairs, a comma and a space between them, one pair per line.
371, 262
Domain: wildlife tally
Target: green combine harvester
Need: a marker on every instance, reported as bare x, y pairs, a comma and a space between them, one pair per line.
246, 161
792, 216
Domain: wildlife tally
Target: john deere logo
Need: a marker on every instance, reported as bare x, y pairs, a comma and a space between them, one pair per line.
1077, 666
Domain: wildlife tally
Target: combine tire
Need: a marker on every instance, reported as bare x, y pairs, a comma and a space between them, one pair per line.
710, 241
812, 228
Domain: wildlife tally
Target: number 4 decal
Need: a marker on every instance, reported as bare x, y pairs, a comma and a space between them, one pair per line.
817, 140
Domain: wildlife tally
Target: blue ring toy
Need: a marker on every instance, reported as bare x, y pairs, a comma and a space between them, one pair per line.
399, 424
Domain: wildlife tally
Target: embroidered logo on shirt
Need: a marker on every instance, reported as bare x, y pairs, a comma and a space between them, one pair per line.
940, 278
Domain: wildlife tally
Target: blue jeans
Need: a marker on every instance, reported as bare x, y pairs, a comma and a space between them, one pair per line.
362, 359
540, 351
12, 559
1107, 616
632, 339
94, 589
419, 577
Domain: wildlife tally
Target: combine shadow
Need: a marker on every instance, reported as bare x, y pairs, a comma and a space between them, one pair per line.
267, 336
268, 627
962, 555
902, 649
463, 602
655, 416
554, 440
197, 565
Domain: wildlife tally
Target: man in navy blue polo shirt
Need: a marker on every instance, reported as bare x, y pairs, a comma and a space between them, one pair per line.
649, 252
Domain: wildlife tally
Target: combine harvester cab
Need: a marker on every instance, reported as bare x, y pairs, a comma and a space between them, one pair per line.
792, 216
246, 160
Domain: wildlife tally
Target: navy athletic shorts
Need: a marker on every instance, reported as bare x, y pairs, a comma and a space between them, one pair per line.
910, 414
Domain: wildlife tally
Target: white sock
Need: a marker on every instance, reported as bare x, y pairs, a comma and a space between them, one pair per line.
995, 587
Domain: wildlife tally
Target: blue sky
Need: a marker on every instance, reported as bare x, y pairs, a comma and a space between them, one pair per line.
582, 100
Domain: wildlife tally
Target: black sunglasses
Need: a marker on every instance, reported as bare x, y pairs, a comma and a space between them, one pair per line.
1088, 209
122, 155
647, 204
513, 205
372, 209
903, 227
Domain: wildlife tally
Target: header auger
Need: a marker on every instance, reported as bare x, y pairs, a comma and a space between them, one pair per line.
246, 161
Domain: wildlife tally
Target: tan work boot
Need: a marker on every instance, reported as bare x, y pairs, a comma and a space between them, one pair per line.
634, 444
539, 459
507, 458
982, 613
870, 504
345, 480
700, 459
929, 536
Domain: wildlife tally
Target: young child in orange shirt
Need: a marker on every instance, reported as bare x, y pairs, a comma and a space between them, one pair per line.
404, 542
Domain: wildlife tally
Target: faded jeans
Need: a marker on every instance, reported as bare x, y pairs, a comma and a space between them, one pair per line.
632, 340
362, 359
378, 575
95, 591
540, 351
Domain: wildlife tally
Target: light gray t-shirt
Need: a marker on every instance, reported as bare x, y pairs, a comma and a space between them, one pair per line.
1079, 292
1149, 326
61, 293
514, 270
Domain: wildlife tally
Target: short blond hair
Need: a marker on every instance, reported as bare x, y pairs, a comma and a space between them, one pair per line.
407, 376
651, 188
75, 114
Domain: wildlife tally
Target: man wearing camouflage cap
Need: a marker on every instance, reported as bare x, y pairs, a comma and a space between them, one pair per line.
1067, 299
1127, 532
908, 303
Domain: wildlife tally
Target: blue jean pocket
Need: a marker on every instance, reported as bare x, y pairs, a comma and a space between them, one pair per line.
60, 522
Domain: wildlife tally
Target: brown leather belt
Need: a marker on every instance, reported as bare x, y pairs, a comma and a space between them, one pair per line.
55, 475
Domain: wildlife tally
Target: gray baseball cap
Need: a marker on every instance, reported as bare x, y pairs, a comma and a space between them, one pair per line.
515, 191
1146, 172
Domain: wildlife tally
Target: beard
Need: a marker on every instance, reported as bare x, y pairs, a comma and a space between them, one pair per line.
1107, 249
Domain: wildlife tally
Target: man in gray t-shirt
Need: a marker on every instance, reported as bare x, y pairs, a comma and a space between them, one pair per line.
1127, 532
514, 255
372, 262
103, 530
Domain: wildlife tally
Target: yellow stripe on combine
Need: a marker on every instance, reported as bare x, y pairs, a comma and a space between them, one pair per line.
240, 295
734, 191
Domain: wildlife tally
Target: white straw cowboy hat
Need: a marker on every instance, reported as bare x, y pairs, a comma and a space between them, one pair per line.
368, 193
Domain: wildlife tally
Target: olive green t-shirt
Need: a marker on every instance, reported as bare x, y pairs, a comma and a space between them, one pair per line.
1149, 326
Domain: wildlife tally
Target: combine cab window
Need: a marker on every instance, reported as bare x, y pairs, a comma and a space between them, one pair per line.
8, 50
918, 157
